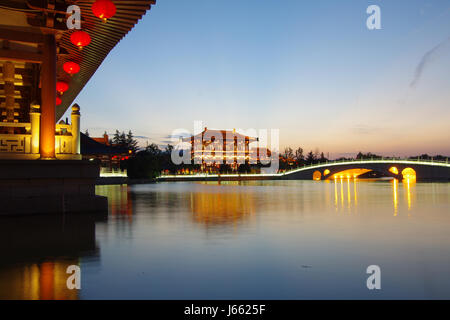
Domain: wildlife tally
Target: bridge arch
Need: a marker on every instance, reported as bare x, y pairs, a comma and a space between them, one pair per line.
409, 174
348, 173
317, 175
398, 169
393, 170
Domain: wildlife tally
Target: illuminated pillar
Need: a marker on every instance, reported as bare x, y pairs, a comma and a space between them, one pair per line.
8, 77
75, 117
48, 79
35, 117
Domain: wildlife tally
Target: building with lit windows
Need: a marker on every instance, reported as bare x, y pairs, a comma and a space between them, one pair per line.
211, 148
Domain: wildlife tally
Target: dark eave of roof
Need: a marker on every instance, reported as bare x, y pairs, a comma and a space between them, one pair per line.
216, 134
104, 37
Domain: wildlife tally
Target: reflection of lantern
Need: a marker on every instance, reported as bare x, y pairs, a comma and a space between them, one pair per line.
71, 67
58, 101
61, 87
80, 39
104, 9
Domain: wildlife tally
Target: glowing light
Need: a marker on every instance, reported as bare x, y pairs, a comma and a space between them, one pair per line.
61, 87
351, 173
407, 183
326, 172
80, 39
71, 67
58, 101
393, 170
395, 185
317, 175
348, 193
335, 193
104, 9
409, 174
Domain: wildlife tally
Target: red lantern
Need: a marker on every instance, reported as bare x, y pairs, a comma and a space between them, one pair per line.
71, 67
80, 39
61, 87
104, 9
58, 101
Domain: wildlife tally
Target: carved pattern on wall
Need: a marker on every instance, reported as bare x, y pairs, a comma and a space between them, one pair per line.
12, 145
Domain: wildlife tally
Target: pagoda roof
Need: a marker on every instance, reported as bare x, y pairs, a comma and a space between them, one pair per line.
223, 133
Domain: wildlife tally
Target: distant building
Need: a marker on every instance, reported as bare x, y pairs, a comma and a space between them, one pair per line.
109, 156
211, 148
103, 140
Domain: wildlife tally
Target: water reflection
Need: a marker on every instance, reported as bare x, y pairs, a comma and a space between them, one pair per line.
119, 200
346, 195
409, 194
221, 207
407, 184
37, 281
395, 196
348, 192
249, 239
36, 252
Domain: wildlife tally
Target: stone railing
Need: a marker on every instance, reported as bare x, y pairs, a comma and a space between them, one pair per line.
26, 144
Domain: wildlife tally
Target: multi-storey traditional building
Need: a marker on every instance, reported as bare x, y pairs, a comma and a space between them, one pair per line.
211, 148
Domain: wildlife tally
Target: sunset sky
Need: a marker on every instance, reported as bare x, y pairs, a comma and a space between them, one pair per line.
311, 69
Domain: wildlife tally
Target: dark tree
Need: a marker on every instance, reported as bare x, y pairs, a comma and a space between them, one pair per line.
153, 149
310, 158
299, 157
368, 155
130, 142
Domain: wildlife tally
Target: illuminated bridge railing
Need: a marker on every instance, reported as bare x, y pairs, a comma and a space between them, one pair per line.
368, 161
314, 166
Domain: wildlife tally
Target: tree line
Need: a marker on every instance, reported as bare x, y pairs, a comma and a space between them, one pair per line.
151, 161
122, 139
293, 159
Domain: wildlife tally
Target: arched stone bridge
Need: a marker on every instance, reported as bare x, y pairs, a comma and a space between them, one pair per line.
421, 170
414, 169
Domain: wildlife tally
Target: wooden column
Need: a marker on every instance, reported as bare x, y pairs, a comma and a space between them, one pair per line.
48, 92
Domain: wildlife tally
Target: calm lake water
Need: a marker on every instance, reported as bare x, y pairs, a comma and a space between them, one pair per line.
239, 240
